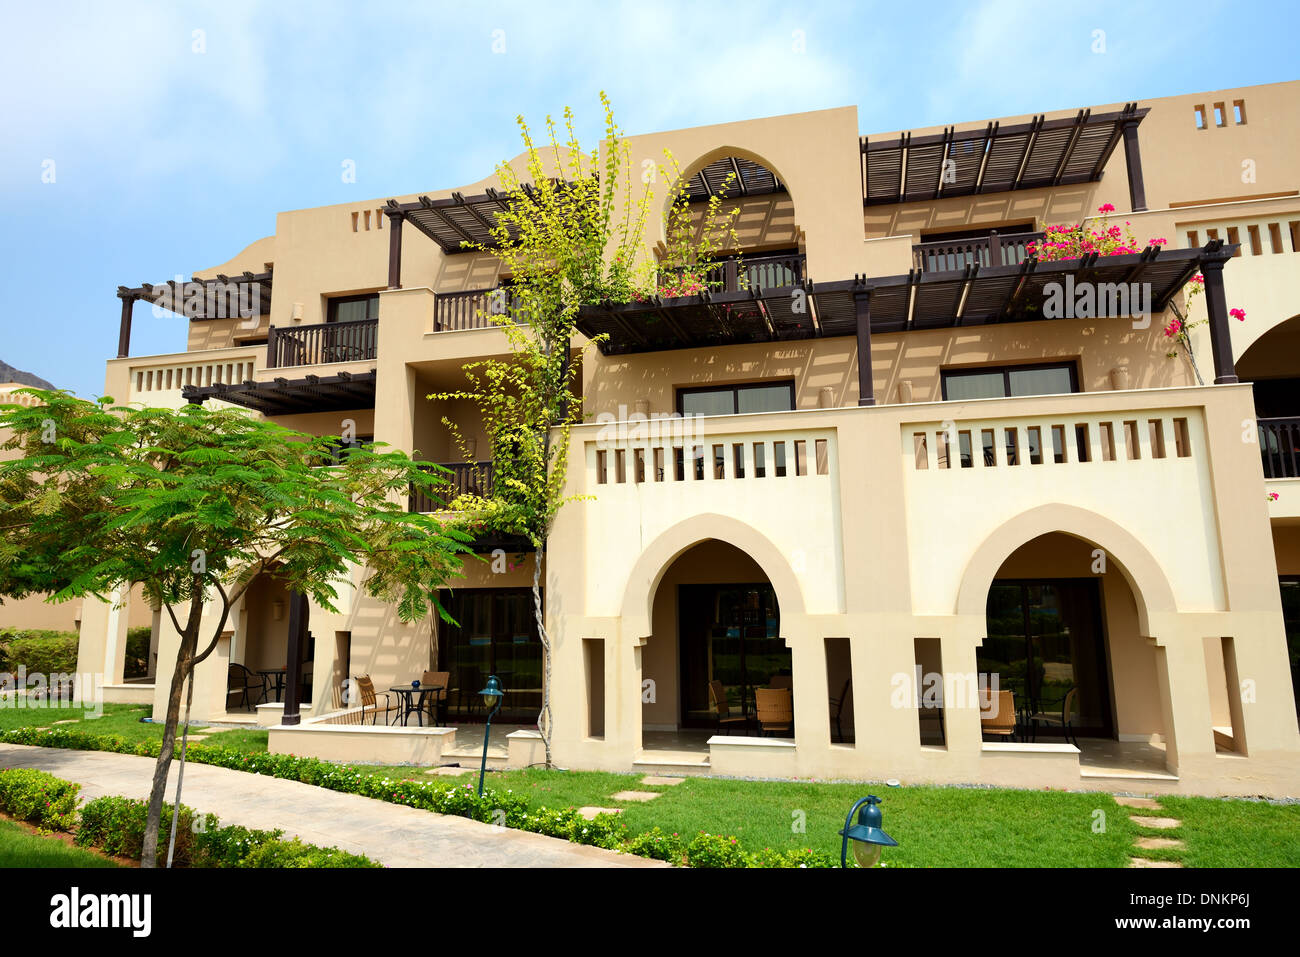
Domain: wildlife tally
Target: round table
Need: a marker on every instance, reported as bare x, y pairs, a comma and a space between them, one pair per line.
410, 705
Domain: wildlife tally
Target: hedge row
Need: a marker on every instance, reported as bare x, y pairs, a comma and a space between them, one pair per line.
495, 807
40, 652
116, 825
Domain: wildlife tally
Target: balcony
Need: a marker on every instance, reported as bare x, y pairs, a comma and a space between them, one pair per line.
322, 344
1279, 447
472, 309
956, 254
467, 478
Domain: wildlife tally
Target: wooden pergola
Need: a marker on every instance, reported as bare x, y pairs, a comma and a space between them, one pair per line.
283, 396
221, 297
919, 300
999, 158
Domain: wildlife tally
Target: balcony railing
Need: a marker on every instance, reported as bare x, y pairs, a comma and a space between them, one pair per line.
323, 343
472, 309
1279, 447
956, 254
467, 478
767, 272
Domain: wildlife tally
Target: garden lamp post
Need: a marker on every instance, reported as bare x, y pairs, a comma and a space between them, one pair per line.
868, 838
492, 695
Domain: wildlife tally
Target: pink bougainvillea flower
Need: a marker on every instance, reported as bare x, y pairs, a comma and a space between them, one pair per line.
1175, 326
1272, 496
1198, 279
1106, 208
1238, 314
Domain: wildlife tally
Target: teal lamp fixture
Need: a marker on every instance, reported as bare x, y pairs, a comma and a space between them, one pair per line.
868, 838
492, 695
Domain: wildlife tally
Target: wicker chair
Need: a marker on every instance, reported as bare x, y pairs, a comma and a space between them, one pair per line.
998, 714
775, 708
370, 701
241, 681
722, 709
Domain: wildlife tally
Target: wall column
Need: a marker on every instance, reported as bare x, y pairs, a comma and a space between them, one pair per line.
1137, 192
395, 217
862, 308
298, 614
1216, 305
124, 332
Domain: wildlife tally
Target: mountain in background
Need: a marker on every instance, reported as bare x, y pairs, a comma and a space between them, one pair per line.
9, 374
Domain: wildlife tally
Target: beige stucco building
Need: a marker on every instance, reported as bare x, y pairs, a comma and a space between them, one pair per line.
879, 474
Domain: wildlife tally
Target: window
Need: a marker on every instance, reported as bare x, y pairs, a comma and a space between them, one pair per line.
353, 308
1001, 382
736, 400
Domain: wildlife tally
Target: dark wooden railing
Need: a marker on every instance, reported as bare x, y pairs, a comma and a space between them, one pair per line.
466, 478
1279, 447
767, 272
325, 342
472, 309
956, 254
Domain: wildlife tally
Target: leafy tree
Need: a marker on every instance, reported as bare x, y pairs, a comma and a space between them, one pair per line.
194, 504
572, 235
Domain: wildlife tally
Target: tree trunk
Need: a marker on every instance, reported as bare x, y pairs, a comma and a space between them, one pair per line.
184, 664
543, 719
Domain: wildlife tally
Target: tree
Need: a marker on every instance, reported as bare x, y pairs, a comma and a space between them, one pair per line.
193, 504
572, 235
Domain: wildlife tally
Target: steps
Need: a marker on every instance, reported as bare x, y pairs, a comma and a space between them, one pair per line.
671, 763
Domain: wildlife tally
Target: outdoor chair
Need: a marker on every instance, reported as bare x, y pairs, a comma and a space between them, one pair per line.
437, 702
781, 681
722, 708
370, 701
1064, 719
248, 684
998, 713
838, 705
775, 707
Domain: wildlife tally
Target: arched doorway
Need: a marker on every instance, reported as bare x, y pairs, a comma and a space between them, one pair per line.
1063, 622
715, 640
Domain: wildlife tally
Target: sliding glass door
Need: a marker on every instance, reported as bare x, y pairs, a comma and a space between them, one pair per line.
495, 634
1045, 639
731, 634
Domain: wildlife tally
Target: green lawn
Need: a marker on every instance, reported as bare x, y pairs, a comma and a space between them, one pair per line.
123, 721
19, 848
935, 826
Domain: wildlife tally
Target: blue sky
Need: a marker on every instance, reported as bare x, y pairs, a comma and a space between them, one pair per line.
168, 160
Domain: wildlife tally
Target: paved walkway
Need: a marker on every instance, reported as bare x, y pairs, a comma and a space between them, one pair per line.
392, 834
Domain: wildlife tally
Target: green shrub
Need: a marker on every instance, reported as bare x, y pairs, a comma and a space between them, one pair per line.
40, 652
658, 845
227, 846
294, 853
116, 825
715, 850
38, 798
803, 857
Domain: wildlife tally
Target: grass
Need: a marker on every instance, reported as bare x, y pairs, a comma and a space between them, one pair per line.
20, 848
123, 721
1229, 833
935, 826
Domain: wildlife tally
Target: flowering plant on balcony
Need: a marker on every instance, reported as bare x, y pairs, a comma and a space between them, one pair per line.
1079, 239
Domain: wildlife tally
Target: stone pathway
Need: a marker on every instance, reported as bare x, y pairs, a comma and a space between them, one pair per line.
394, 835
1147, 843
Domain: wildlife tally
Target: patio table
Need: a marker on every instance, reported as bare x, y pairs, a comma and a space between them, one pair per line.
411, 704
276, 677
